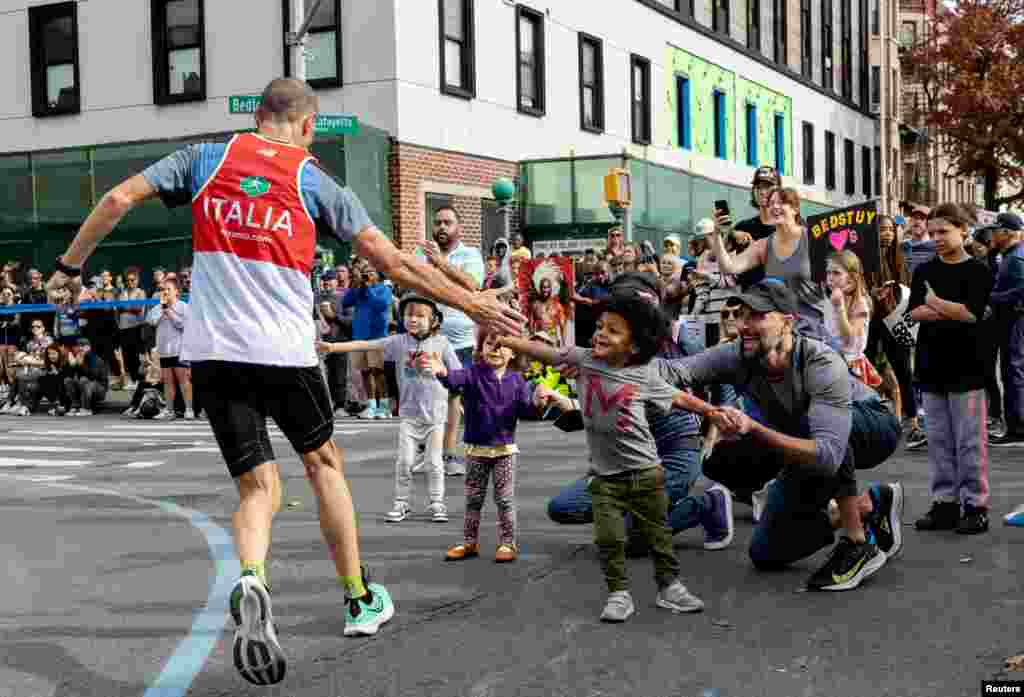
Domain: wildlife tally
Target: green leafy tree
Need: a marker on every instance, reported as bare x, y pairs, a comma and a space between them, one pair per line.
970, 67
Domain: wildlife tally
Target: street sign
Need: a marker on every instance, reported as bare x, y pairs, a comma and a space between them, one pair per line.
244, 104
336, 124
326, 124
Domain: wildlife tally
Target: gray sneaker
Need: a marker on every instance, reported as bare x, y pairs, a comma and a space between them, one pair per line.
675, 597
619, 607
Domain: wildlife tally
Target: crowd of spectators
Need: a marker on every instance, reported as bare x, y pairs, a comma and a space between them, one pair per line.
66, 361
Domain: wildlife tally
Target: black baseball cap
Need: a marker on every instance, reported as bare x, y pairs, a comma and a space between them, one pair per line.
767, 174
1009, 221
770, 295
640, 283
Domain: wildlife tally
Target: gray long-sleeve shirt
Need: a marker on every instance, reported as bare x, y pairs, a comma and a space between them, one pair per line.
170, 328
812, 400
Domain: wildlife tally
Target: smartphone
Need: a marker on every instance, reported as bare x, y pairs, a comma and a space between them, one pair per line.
722, 206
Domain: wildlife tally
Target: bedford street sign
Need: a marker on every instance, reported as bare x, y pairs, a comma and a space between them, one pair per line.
326, 124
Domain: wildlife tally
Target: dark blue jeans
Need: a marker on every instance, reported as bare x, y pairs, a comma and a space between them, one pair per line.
680, 457
795, 523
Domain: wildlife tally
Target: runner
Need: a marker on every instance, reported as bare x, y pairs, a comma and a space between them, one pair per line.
257, 203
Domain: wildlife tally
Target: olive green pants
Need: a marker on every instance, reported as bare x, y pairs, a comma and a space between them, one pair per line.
642, 495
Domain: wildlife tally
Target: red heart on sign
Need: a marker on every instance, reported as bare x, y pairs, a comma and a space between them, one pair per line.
838, 239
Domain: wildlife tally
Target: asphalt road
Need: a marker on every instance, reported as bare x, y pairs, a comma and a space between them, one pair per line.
118, 570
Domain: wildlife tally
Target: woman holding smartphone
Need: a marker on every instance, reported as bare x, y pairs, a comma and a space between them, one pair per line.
784, 256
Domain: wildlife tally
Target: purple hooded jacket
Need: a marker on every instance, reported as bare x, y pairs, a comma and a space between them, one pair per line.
493, 407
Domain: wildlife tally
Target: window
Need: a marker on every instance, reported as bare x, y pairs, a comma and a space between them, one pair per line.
874, 17
640, 88
591, 84
721, 151
530, 59
53, 37
780, 144
826, 44
878, 171
893, 92
780, 13
862, 50
849, 167
684, 7
865, 163
806, 40
876, 87
751, 120
720, 16
458, 49
808, 130
830, 161
753, 25
323, 45
846, 48
179, 51
683, 119
908, 35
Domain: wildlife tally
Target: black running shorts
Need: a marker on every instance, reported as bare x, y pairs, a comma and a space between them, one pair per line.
238, 398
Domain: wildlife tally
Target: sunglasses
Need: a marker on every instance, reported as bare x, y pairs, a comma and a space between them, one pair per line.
730, 314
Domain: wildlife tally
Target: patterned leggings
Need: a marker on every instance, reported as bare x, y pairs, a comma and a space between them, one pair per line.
478, 469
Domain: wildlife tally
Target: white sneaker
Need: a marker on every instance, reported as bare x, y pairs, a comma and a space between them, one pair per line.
399, 512
438, 512
130, 413
190, 415
73, 412
23, 411
675, 597
165, 415
84, 412
619, 607
257, 651
759, 499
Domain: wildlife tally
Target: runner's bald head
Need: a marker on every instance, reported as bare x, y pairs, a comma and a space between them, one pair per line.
287, 99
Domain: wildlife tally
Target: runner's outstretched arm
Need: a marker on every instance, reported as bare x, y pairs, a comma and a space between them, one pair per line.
114, 206
405, 271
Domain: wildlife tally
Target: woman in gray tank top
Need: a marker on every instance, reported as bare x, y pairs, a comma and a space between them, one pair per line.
784, 256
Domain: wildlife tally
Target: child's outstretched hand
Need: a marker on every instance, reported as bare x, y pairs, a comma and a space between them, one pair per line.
323, 347
431, 362
543, 396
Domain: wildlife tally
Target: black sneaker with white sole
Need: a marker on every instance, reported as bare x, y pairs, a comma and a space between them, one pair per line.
847, 566
886, 520
916, 439
257, 652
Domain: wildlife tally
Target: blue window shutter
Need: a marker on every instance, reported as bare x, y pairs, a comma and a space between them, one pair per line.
780, 144
751, 135
683, 122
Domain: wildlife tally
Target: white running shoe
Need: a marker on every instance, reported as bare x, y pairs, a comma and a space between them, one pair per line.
257, 652
190, 415
399, 512
619, 607
675, 597
438, 513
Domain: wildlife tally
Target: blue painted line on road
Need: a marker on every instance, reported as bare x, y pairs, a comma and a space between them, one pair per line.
194, 650
192, 653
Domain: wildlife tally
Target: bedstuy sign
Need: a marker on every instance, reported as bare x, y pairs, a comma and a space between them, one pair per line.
854, 228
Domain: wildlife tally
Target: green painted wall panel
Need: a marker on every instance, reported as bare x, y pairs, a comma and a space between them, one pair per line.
704, 78
768, 103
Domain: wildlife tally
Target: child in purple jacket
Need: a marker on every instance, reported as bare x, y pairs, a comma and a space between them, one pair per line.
494, 398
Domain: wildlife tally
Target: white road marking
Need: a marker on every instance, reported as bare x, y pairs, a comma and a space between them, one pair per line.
22, 462
40, 449
142, 465
44, 478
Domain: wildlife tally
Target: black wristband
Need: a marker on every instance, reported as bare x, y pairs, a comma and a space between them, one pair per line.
69, 271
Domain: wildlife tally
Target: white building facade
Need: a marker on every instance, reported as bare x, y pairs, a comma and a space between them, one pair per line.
468, 89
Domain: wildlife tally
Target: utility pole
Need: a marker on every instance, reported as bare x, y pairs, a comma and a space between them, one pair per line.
884, 87
297, 40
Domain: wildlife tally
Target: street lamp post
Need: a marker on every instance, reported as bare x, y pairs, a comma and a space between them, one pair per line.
297, 40
504, 191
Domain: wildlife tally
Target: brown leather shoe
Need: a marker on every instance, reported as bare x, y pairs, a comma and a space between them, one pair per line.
506, 553
462, 551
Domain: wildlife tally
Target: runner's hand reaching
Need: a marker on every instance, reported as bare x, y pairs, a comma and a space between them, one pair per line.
73, 285
490, 310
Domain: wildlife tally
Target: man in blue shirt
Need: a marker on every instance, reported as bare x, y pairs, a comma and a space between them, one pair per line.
1007, 300
371, 299
463, 266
